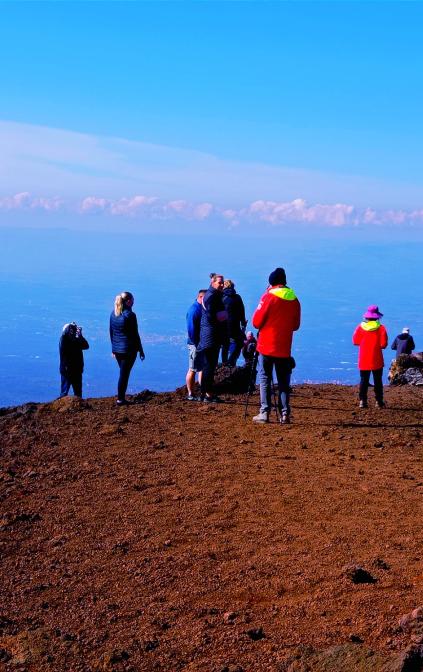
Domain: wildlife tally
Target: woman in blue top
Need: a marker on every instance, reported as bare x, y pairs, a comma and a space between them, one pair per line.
126, 341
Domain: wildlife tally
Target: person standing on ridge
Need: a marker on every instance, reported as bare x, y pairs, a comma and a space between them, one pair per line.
236, 324
277, 316
403, 343
371, 338
194, 358
249, 347
126, 341
71, 345
213, 334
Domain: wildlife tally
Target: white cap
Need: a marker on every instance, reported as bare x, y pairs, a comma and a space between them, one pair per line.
406, 330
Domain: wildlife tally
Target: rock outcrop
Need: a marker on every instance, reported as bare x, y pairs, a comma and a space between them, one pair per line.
407, 370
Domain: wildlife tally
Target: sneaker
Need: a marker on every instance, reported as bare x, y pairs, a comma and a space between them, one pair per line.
190, 397
363, 404
380, 404
122, 402
285, 419
262, 417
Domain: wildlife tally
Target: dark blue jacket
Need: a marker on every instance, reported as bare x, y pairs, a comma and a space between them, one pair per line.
124, 333
213, 332
403, 344
193, 323
71, 357
236, 312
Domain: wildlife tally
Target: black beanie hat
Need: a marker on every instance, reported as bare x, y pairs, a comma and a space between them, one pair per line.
277, 277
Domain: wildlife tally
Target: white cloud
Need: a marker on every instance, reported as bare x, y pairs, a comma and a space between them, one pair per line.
24, 201
144, 208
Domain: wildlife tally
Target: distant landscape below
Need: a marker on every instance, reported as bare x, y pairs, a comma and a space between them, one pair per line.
50, 277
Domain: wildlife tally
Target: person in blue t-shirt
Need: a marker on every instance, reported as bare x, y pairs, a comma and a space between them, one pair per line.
194, 357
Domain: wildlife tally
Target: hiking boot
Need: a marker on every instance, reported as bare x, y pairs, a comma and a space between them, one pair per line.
122, 402
190, 397
212, 400
363, 404
380, 404
285, 419
262, 417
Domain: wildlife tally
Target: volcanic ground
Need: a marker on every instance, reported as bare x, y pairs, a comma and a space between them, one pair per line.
171, 535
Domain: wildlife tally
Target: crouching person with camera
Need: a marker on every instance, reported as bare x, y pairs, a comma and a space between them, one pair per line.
277, 316
71, 345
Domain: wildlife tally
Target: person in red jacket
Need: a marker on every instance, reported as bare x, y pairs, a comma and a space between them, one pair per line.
372, 338
276, 317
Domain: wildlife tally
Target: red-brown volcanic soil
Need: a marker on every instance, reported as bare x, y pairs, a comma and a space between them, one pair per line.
166, 534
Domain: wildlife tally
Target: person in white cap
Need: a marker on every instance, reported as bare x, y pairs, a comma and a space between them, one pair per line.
403, 343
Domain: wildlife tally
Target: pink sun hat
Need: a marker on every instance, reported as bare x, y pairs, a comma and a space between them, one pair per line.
372, 313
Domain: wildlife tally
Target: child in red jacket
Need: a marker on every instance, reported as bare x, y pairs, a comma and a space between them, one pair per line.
371, 337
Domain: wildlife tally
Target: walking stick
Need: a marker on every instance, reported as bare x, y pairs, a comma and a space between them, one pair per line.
253, 375
275, 400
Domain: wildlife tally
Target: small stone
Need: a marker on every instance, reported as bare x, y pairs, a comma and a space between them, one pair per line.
119, 656
381, 564
151, 645
255, 634
356, 639
5, 656
229, 616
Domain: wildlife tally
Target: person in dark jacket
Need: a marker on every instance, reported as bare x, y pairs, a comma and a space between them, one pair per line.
126, 341
194, 358
404, 343
236, 324
71, 345
249, 347
213, 333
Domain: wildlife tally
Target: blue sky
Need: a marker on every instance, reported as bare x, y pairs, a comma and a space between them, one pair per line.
213, 106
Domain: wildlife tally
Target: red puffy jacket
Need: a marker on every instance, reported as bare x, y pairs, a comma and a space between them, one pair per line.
372, 338
277, 316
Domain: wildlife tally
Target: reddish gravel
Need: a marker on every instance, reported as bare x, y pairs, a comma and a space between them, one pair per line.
171, 535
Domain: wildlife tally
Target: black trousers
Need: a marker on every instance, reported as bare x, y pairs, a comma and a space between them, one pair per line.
73, 379
125, 362
209, 358
364, 384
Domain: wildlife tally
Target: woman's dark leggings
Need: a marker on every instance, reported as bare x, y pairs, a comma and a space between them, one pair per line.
125, 362
364, 384
209, 358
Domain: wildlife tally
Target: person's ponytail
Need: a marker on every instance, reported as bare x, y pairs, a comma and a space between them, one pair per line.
120, 302
118, 305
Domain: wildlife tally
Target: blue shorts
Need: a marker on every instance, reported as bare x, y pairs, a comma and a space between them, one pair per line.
194, 359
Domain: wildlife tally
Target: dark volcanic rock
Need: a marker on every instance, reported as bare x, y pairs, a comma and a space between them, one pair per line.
407, 370
352, 658
358, 574
256, 634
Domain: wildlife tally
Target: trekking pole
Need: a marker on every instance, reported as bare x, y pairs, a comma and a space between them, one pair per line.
253, 375
275, 400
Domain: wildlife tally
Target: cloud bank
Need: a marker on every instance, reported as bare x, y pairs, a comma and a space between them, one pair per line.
50, 172
143, 208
